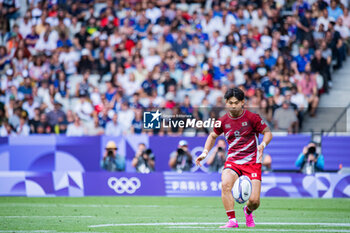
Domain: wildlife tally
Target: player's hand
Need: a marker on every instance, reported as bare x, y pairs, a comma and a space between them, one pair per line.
200, 158
260, 152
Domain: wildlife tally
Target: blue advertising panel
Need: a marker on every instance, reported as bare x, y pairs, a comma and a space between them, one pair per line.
320, 185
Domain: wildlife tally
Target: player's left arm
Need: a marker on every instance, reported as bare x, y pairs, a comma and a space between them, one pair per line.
266, 140
260, 127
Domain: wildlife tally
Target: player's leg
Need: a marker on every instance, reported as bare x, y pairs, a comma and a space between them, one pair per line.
253, 203
228, 178
253, 171
254, 200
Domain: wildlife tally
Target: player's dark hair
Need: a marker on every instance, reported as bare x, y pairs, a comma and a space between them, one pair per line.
234, 92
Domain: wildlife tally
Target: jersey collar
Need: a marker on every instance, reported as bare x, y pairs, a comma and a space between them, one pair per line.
236, 118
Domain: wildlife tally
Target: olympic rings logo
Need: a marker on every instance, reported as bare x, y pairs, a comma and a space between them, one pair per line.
124, 185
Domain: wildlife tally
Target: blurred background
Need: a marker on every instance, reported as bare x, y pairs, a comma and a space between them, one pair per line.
77, 77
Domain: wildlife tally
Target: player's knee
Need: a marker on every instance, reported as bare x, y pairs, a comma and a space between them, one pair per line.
226, 187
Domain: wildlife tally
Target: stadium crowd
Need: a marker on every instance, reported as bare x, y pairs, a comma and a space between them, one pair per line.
92, 67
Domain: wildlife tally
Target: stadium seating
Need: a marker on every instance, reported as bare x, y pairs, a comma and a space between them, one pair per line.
111, 50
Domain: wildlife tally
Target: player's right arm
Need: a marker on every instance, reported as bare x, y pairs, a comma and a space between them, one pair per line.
210, 142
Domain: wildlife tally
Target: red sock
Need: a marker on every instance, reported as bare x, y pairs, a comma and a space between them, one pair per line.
231, 214
248, 211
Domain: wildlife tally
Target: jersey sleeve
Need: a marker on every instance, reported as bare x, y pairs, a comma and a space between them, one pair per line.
258, 124
219, 130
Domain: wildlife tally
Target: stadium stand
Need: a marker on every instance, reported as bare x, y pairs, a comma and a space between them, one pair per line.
276, 51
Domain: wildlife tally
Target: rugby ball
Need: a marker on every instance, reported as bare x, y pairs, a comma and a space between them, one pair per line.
242, 189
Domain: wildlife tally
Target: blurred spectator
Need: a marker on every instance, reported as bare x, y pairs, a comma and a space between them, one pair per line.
112, 161
298, 103
61, 84
14, 120
304, 26
137, 122
6, 129
26, 87
334, 11
337, 45
319, 66
217, 160
113, 128
302, 59
181, 159
149, 84
346, 17
168, 81
95, 128
143, 160
20, 63
9, 81
34, 122
285, 118
29, 106
23, 128
55, 114
309, 161
125, 116
44, 44
323, 21
76, 128
266, 112
342, 29
82, 88
85, 64
32, 38
83, 108
259, 20
43, 127
308, 87
102, 65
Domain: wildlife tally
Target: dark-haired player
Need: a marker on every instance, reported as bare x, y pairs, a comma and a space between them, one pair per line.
241, 129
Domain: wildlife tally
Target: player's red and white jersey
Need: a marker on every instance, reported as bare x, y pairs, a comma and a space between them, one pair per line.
241, 134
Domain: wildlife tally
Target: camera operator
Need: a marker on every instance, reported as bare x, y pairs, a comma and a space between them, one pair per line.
181, 159
143, 160
309, 161
217, 160
111, 160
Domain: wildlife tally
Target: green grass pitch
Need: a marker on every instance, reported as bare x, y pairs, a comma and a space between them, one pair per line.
165, 214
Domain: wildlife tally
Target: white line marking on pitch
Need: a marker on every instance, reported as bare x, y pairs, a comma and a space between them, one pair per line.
44, 231
38, 216
218, 223
306, 224
73, 205
28, 231
267, 230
